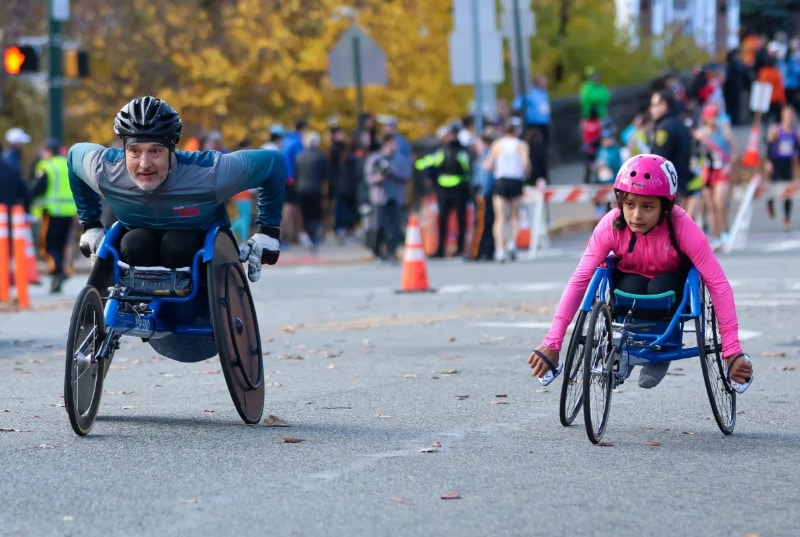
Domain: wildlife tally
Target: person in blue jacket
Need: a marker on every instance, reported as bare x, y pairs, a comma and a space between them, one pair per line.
166, 198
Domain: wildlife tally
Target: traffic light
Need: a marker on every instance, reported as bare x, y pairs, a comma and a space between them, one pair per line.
76, 63
19, 59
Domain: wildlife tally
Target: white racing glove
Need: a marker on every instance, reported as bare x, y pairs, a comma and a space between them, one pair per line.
90, 240
260, 249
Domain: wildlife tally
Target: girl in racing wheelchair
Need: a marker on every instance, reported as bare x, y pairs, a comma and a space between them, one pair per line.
654, 240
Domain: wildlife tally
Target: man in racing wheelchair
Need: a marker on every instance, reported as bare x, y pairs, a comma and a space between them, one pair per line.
167, 199
652, 238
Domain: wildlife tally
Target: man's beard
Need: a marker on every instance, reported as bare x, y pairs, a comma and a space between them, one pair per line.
148, 186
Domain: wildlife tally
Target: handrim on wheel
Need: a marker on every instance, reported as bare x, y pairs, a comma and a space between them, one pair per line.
709, 347
572, 384
233, 318
598, 371
83, 378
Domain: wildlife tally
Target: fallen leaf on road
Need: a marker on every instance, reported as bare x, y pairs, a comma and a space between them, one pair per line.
428, 450
9, 430
137, 361
37, 362
292, 440
436, 443
501, 395
768, 354
410, 376
789, 368
46, 446
605, 444
451, 496
384, 416
461, 397
189, 500
652, 443
128, 408
402, 501
275, 421
452, 339
496, 402
446, 372
208, 410
290, 357
740, 412
4, 410
289, 329
688, 432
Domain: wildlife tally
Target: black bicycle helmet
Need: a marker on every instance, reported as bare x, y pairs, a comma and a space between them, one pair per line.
148, 119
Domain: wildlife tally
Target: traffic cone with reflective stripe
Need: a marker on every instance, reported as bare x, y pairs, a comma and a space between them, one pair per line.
5, 257
524, 235
750, 158
18, 224
415, 276
31, 261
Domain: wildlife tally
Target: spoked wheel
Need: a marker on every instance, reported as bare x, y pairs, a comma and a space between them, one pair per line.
709, 346
233, 319
572, 385
598, 372
83, 379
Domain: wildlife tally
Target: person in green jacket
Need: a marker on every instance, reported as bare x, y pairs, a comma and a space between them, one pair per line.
449, 169
53, 197
594, 95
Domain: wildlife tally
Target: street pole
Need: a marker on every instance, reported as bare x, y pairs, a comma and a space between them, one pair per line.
521, 83
357, 71
56, 72
476, 48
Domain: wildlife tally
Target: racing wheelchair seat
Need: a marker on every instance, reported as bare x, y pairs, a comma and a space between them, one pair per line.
187, 314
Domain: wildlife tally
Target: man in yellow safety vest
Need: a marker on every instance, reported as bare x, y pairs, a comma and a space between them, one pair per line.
53, 197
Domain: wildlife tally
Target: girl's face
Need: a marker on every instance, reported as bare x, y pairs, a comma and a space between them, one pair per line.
641, 212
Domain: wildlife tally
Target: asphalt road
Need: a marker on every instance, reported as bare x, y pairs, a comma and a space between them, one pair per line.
401, 399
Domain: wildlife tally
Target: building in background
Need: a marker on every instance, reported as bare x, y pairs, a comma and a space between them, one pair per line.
714, 24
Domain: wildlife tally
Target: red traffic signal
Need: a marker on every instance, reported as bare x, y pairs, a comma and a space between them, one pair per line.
20, 59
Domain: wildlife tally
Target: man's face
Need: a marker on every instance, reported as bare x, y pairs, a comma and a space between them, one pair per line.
658, 107
148, 164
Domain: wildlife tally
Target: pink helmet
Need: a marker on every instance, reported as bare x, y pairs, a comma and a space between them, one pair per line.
648, 175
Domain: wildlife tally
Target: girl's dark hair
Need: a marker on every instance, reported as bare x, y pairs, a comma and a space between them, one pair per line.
666, 214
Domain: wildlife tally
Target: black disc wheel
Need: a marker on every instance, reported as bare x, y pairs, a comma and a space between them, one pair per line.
598, 372
709, 346
233, 319
83, 379
572, 384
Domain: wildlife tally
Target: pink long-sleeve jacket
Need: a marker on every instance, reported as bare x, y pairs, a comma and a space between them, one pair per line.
652, 254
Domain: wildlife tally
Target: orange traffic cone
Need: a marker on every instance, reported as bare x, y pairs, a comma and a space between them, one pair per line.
31, 261
18, 223
5, 258
415, 277
524, 235
750, 158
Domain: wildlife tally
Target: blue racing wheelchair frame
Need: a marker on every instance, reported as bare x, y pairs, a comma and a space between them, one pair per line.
187, 314
615, 331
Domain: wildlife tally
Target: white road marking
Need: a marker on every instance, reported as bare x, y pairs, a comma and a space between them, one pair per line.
781, 246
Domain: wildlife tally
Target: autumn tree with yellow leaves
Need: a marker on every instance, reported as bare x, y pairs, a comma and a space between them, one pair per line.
241, 65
